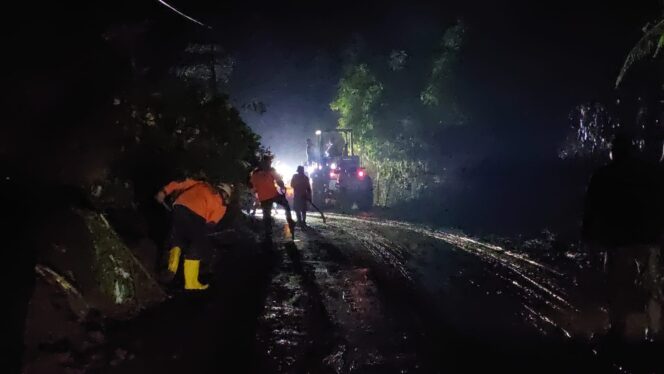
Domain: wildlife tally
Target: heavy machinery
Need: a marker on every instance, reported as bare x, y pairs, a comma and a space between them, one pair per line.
337, 178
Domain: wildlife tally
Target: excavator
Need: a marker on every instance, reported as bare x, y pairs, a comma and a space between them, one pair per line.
337, 177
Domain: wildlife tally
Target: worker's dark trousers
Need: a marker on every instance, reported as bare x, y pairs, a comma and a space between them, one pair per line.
634, 289
190, 232
266, 205
300, 208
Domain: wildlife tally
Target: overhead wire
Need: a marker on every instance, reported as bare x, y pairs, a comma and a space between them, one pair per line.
184, 15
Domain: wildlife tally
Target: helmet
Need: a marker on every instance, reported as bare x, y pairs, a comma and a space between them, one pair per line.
265, 162
225, 188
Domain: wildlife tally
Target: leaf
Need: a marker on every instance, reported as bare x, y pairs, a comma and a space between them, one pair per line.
651, 41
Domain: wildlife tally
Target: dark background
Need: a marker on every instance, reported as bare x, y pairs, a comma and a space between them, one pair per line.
524, 67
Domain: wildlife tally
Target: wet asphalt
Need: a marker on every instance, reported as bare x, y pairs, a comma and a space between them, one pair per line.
364, 295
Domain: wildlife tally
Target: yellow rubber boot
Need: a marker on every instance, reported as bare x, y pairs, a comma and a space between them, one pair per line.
174, 259
191, 282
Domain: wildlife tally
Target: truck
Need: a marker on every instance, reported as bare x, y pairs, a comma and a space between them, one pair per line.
337, 177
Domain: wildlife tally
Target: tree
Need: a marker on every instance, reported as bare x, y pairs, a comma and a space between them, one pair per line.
649, 45
207, 65
357, 98
591, 130
443, 65
172, 119
638, 111
396, 122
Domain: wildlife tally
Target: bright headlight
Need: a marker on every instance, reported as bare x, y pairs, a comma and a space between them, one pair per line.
283, 169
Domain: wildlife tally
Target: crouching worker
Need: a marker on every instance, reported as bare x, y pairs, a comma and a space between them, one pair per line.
197, 207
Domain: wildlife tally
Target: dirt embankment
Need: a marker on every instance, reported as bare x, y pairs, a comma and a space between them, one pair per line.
86, 274
96, 283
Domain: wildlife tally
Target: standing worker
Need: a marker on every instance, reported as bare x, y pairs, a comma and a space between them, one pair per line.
197, 208
301, 195
265, 181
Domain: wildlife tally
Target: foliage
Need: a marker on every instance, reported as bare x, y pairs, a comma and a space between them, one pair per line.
198, 62
255, 106
194, 136
395, 122
183, 125
593, 125
649, 45
358, 95
398, 60
591, 130
443, 65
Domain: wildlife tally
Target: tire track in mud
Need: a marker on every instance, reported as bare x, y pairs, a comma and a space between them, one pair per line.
326, 313
374, 336
443, 310
532, 293
438, 345
545, 291
294, 331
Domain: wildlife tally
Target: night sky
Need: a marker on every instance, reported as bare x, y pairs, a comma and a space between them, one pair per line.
525, 65
524, 68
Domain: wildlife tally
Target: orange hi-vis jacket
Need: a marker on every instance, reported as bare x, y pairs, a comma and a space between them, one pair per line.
264, 182
199, 197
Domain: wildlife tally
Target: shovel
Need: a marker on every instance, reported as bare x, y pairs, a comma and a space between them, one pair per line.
318, 209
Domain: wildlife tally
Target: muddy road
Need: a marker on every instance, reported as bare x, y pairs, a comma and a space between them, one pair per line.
363, 295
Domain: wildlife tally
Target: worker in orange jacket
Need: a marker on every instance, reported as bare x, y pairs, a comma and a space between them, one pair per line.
197, 207
264, 181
